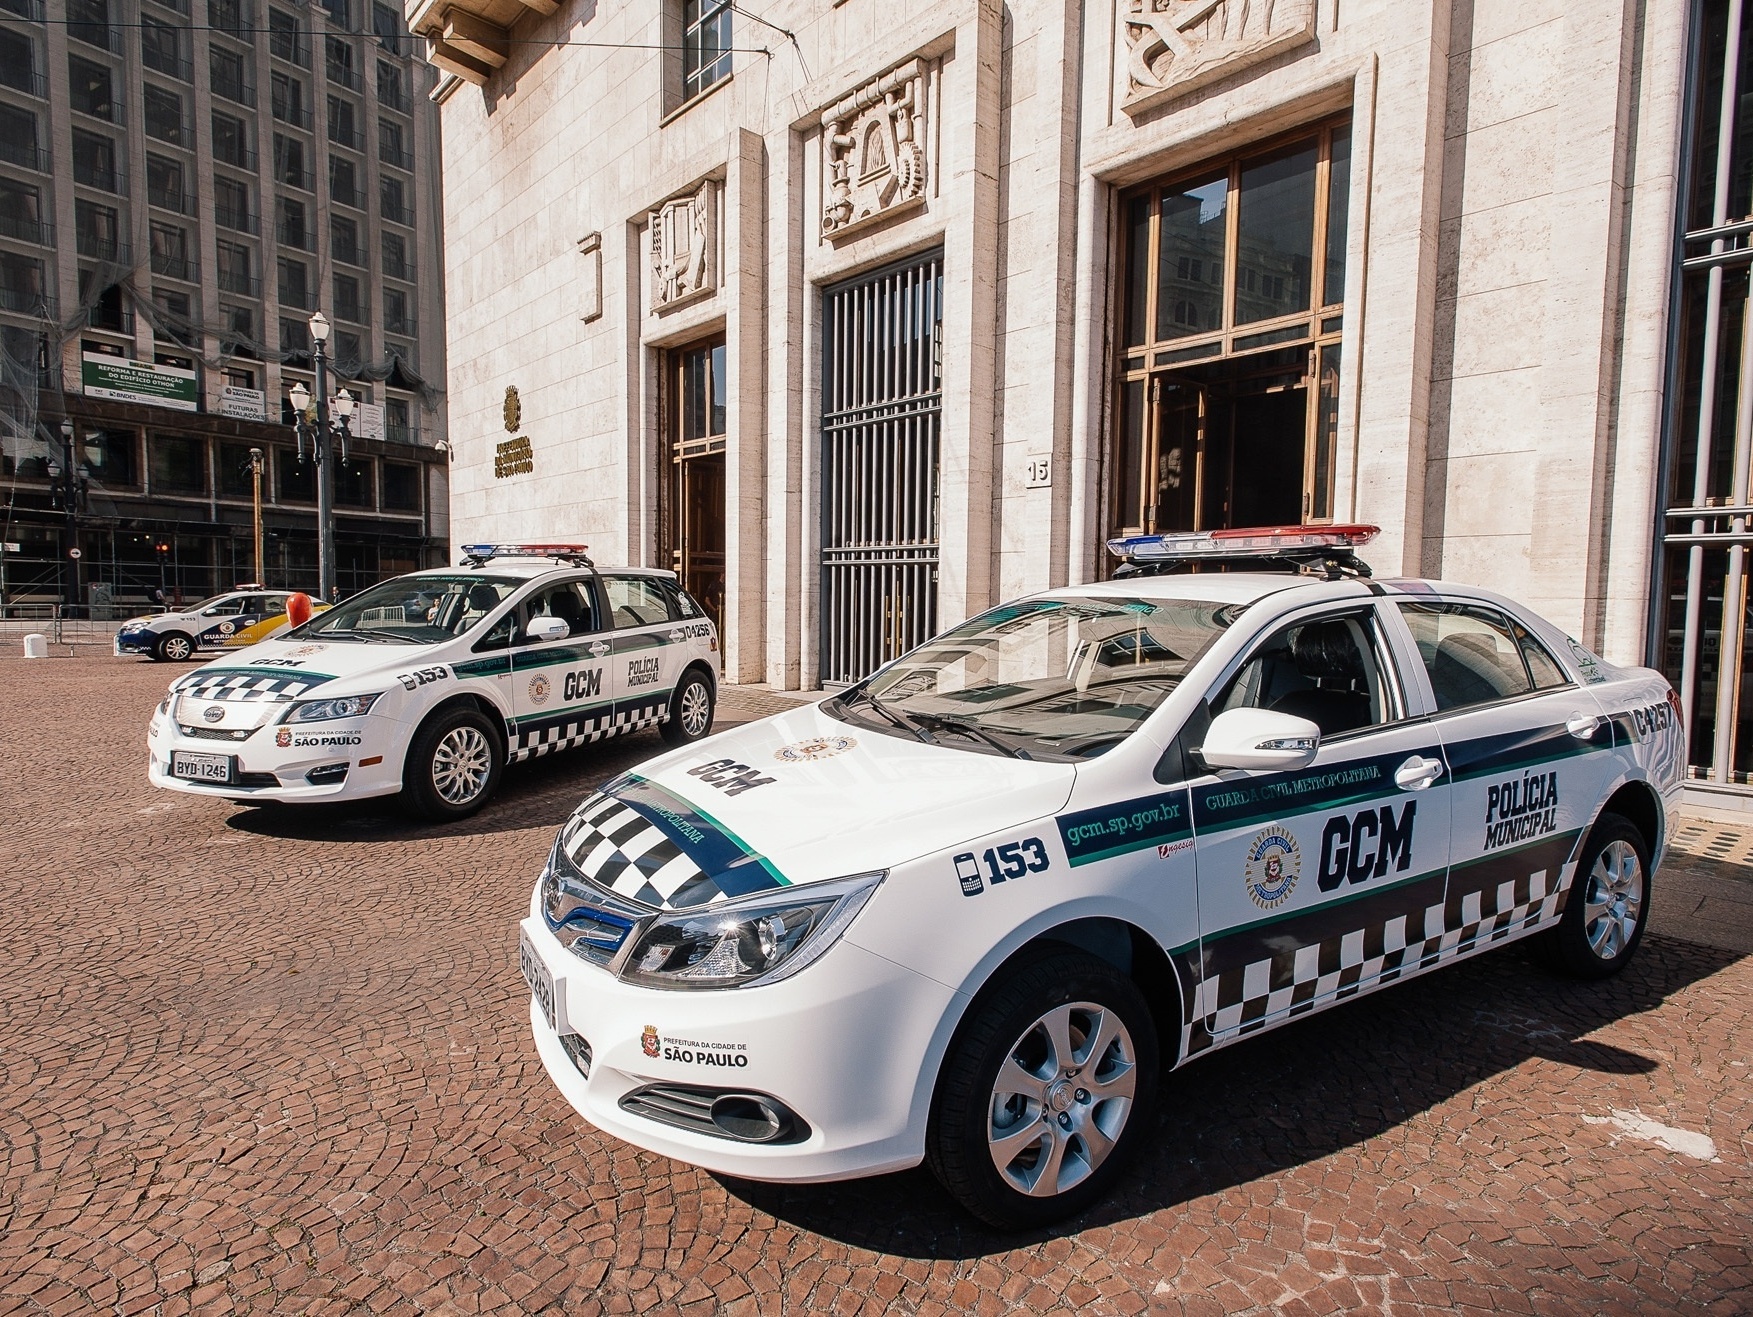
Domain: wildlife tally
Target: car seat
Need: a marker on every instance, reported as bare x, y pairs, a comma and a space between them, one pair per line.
1466, 668
563, 604
1326, 654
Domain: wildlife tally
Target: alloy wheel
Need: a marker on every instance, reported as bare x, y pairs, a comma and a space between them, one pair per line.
462, 761
1062, 1098
1613, 900
696, 708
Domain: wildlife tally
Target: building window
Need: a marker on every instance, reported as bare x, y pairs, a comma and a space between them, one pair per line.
170, 251
230, 16
177, 464
176, 319
395, 256
386, 24
21, 282
164, 182
237, 272
231, 205
236, 480
391, 91
18, 66
391, 148
286, 99
347, 303
295, 290
396, 317
340, 12
233, 141
344, 240
353, 483
393, 200
94, 161
161, 47
343, 181
396, 423
349, 352
18, 138
401, 487
103, 303
1230, 322
338, 62
705, 45
89, 88
343, 129
289, 165
164, 115
97, 230
293, 228
284, 39
230, 78
295, 480
113, 457
21, 211
238, 337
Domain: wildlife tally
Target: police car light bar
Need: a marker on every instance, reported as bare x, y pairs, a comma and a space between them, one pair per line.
1304, 542
480, 553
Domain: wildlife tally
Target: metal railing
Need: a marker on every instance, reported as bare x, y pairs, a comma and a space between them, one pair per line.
176, 267
29, 10
168, 63
239, 221
183, 203
394, 213
29, 302
26, 155
392, 155
31, 84
103, 249
230, 281
38, 231
101, 35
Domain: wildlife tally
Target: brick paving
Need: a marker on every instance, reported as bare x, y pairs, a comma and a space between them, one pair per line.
256, 1060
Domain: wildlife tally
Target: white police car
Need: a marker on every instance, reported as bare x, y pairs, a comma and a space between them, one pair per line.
970, 910
427, 684
175, 636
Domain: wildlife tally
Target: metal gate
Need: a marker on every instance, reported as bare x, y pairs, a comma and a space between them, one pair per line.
882, 407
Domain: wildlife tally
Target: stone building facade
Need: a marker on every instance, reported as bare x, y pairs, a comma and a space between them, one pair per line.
879, 312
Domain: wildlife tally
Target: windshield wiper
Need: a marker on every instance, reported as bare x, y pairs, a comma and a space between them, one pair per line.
971, 730
862, 695
400, 637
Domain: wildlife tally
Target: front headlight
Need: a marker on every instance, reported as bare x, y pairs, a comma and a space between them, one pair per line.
754, 941
340, 706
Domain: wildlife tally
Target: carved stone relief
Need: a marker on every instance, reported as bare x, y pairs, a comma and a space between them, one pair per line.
1174, 46
873, 151
684, 248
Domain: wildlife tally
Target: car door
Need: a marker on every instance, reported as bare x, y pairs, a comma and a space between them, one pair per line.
648, 654
1318, 883
1529, 754
226, 617
560, 689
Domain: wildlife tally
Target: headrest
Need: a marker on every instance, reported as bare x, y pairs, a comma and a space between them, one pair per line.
1327, 651
482, 597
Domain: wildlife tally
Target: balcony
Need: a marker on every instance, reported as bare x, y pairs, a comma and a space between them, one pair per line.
397, 269
299, 298
292, 114
393, 155
180, 202
31, 84
176, 267
291, 47
175, 6
344, 75
29, 302
354, 256
41, 232
101, 35
115, 317
300, 238
168, 63
407, 325
390, 96
99, 248
242, 284
396, 214
110, 179
233, 90
342, 135
302, 179
241, 157
26, 155
29, 10
238, 221
343, 195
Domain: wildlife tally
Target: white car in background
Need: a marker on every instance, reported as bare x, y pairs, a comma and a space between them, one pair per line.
969, 911
428, 684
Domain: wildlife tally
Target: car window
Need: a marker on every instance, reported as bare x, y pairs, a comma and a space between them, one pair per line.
682, 607
274, 603
420, 610
1542, 667
636, 600
1470, 652
229, 606
1327, 669
570, 601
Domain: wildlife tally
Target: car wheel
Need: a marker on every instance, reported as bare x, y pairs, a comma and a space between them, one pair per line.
1608, 908
690, 711
453, 765
173, 647
1047, 1088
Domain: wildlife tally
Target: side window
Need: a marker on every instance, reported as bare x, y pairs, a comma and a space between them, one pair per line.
228, 607
681, 606
1326, 669
1470, 653
499, 636
1542, 667
570, 601
636, 600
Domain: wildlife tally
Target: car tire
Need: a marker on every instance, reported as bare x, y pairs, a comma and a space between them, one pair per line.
1005, 1079
691, 710
1608, 906
453, 765
173, 647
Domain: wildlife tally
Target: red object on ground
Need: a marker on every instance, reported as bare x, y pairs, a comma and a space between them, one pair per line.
298, 608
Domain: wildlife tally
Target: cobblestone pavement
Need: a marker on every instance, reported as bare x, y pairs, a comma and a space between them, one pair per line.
256, 1060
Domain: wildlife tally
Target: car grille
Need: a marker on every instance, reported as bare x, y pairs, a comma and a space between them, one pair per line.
215, 733
589, 921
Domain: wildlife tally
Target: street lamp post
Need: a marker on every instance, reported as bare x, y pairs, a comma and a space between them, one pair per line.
256, 492
342, 405
67, 488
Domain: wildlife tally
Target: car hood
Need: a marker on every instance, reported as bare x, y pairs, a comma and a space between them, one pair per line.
289, 668
796, 798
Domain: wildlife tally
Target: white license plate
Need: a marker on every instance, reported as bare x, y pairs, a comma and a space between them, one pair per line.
200, 768
535, 973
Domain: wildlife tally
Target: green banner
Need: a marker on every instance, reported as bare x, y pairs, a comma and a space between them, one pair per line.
139, 381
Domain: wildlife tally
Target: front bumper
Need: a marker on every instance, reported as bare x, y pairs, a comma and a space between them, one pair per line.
843, 1044
370, 750
134, 642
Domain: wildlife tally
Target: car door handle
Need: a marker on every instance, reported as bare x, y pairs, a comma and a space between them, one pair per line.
1583, 725
1417, 773
677, 637
598, 648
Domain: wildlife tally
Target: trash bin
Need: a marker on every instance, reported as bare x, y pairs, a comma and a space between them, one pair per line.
36, 645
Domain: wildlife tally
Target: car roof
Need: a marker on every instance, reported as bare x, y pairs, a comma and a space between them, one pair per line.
1203, 587
530, 569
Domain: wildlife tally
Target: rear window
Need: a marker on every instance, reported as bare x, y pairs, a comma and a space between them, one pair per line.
1476, 655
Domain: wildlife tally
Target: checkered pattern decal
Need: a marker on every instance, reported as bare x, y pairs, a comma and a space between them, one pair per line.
618, 848
247, 684
582, 726
1295, 980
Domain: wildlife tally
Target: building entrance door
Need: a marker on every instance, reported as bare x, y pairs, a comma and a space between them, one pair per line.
693, 515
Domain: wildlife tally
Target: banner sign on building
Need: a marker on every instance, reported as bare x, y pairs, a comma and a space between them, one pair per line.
243, 404
139, 381
367, 420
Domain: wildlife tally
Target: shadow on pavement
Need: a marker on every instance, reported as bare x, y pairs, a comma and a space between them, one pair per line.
1292, 1097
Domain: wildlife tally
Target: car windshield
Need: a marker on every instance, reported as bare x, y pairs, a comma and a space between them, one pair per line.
411, 610
1041, 679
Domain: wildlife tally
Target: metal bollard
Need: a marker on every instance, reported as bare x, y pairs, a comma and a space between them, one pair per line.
36, 645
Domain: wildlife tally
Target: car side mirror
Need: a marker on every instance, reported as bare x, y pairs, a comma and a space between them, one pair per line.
547, 628
1260, 738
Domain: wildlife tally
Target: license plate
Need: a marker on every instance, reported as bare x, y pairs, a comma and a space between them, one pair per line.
200, 768
535, 973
